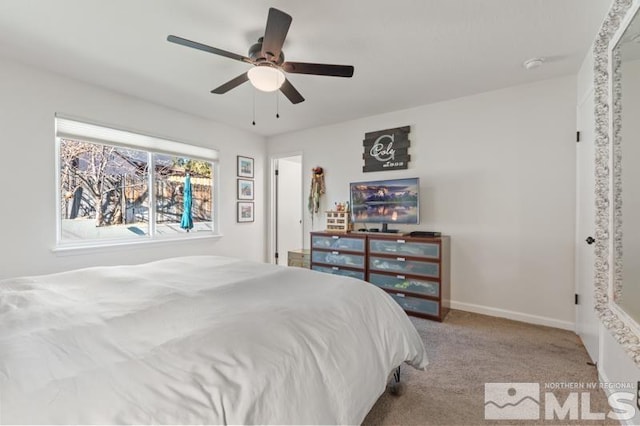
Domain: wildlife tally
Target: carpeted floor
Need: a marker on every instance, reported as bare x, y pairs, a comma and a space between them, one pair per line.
468, 350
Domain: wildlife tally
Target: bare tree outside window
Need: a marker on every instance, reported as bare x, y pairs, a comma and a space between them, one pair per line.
104, 192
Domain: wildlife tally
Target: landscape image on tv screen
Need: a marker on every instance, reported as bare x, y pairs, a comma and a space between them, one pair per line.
385, 201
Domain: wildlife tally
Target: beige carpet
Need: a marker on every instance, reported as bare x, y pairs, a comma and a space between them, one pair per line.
468, 350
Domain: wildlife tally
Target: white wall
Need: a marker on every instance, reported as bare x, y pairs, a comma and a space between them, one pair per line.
29, 100
497, 173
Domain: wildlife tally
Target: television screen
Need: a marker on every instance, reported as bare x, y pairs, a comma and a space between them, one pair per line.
385, 201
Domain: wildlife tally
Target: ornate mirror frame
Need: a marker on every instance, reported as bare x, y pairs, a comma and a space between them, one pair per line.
608, 175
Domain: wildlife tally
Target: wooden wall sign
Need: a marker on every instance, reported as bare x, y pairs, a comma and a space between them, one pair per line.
386, 150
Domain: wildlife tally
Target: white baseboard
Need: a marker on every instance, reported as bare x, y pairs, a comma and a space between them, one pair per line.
602, 376
512, 315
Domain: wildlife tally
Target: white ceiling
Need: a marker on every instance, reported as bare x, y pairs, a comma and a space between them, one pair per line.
405, 52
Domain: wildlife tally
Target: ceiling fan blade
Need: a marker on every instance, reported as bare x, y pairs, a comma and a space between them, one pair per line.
278, 24
318, 69
204, 47
290, 92
231, 84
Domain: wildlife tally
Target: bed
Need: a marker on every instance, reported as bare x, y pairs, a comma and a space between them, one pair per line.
198, 339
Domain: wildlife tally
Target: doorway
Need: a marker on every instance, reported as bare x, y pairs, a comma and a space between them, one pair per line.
286, 196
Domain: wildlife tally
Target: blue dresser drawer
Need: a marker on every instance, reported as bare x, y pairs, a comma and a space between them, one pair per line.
339, 271
403, 266
401, 247
401, 283
338, 258
413, 304
338, 242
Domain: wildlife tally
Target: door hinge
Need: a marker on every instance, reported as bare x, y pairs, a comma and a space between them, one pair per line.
577, 136
277, 172
277, 255
576, 298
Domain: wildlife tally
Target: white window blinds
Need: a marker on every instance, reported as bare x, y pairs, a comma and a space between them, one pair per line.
72, 129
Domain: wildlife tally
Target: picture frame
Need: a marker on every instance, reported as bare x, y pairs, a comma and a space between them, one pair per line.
245, 166
245, 189
245, 211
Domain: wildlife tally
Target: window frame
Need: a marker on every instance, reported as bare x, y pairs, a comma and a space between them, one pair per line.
87, 131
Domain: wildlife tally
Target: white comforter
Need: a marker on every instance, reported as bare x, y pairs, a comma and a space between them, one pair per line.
199, 339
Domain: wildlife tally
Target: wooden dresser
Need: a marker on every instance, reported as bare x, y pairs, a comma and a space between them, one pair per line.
414, 271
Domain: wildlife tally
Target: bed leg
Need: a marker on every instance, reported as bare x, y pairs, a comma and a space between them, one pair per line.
397, 388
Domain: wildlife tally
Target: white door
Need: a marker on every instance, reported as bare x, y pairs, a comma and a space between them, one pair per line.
587, 323
288, 208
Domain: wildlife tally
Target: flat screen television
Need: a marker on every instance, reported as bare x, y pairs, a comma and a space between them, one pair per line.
385, 202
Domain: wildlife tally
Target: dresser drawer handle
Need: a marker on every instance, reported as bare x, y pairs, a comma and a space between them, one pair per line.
400, 277
335, 268
400, 294
335, 237
401, 241
400, 259
335, 252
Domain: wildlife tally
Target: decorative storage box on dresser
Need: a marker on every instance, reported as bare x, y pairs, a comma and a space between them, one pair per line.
342, 254
338, 221
414, 271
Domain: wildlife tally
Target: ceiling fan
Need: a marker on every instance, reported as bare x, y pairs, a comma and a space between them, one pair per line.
268, 62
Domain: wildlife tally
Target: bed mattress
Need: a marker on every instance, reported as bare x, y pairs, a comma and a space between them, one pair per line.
199, 339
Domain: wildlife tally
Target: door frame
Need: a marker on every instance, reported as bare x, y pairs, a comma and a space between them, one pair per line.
272, 219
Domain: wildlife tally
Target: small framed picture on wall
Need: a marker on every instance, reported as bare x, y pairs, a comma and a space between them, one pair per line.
245, 211
245, 189
245, 166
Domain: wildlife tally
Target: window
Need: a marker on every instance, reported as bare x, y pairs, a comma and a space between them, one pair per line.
115, 186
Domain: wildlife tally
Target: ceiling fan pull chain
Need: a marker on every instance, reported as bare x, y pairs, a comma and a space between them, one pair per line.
277, 105
254, 107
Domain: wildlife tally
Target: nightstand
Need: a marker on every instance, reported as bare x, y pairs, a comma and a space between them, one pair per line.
300, 258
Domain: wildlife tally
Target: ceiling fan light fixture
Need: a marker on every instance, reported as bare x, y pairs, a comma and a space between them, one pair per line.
266, 78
